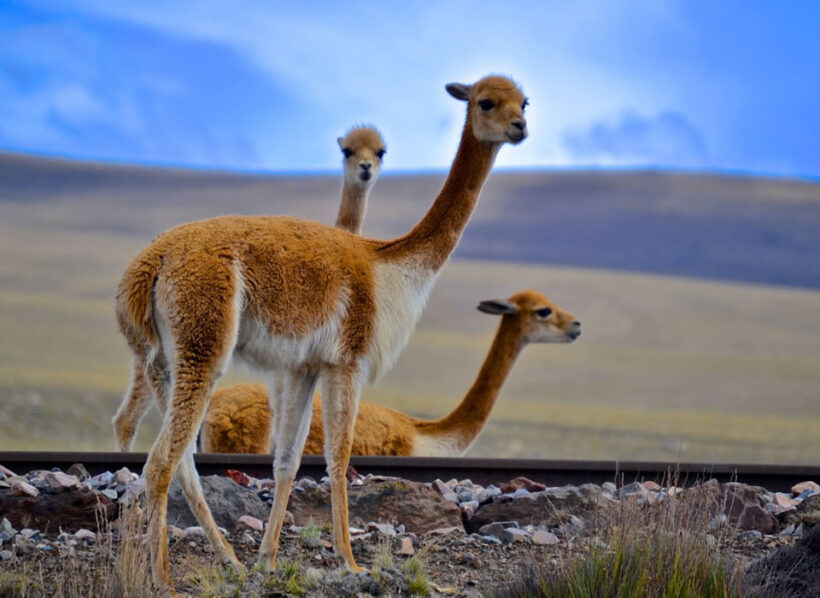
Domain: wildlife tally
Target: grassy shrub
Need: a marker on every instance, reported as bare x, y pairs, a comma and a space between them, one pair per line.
669, 549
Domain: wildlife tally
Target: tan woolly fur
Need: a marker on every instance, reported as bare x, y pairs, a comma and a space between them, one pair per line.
299, 300
238, 419
363, 149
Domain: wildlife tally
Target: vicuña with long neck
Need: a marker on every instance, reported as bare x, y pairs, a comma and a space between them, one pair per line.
363, 149
304, 301
238, 419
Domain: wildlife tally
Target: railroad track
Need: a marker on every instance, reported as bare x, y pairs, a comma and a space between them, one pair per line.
427, 469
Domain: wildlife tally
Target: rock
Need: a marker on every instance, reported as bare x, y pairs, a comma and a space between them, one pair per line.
174, 533
122, 477
609, 488
31, 535
788, 571
60, 482
806, 513
446, 531
451, 496
4, 484
6, 526
749, 535
522, 482
85, 534
69, 510
78, 470
193, 532
238, 477
814, 487
544, 538
112, 494
784, 500
441, 487
465, 496
633, 490
549, 508
384, 529
226, 499
651, 486
513, 534
491, 539
251, 523
6, 471
487, 494
21, 545
20, 488
416, 505
353, 477
496, 528
103, 479
744, 505
405, 547
5, 555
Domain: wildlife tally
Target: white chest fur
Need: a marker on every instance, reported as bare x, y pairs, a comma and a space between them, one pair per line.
400, 293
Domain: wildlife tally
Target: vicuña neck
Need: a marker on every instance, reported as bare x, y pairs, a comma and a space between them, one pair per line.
353, 208
435, 237
465, 422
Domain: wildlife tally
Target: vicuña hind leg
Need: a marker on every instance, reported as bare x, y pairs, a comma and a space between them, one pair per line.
192, 489
340, 402
294, 411
134, 405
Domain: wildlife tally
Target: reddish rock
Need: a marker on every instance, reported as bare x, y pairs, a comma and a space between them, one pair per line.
522, 482
803, 486
782, 499
650, 485
416, 505
21, 488
238, 477
406, 547
71, 510
60, 482
251, 523
544, 538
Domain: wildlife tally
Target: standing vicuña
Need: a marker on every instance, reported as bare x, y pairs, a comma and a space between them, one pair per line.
238, 420
363, 149
299, 299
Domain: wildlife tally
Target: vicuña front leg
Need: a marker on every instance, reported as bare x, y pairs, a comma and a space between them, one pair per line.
341, 388
294, 411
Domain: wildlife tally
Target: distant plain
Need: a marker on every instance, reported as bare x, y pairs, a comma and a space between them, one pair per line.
699, 296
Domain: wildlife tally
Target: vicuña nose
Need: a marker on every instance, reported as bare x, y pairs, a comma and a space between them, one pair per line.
518, 124
365, 165
576, 324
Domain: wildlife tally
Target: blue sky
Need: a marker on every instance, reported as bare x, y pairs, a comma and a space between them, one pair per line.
269, 86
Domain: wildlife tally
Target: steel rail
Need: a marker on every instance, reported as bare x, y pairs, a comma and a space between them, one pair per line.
427, 469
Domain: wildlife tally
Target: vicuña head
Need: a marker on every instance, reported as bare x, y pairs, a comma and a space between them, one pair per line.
496, 109
238, 419
304, 301
363, 149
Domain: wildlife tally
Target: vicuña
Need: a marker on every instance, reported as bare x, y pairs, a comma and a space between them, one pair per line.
238, 419
298, 299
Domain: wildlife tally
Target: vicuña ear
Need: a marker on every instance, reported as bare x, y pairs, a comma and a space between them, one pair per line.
498, 307
339, 140
459, 91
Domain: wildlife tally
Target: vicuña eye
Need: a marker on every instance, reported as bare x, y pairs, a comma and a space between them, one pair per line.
347, 152
525, 104
486, 105
544, 312
381, 153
